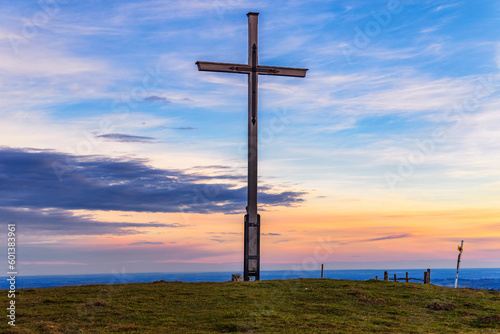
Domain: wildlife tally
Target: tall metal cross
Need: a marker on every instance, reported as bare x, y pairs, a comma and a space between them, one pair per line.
251, 263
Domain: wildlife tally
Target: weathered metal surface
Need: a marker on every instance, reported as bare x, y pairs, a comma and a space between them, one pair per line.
241, 68
251, 263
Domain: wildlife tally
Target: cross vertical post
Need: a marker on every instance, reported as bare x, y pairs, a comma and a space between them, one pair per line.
251, 262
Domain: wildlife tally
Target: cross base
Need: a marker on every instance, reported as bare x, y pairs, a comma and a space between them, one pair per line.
251, 263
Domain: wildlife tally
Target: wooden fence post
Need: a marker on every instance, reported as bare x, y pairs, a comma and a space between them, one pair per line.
322, 270
395, 278
428, 276
406, 277
376, 278
425, 277
386, 276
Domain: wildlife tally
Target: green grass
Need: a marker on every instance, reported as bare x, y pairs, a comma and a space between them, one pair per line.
276, 306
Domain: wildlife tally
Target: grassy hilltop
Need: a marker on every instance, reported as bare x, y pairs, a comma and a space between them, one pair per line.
277, 306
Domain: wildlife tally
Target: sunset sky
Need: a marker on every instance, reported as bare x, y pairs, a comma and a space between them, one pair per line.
118, 155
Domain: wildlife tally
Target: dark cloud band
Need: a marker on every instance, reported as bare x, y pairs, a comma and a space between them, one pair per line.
30, 179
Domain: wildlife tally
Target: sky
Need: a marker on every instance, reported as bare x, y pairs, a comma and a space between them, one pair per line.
118, 155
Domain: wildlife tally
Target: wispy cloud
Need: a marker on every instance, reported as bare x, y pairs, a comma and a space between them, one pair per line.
184, 128
117, 258
146, 243
154, 98
438, 8
57, 222
225, 233
124, 138
389, 237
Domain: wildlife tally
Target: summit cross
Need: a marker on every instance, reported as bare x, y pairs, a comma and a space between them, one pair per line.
251, 263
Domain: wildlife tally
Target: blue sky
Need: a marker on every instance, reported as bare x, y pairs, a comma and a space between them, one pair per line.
107, 125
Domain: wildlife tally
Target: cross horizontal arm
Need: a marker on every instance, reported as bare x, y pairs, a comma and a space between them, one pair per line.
241, 68
223, 67
283, 71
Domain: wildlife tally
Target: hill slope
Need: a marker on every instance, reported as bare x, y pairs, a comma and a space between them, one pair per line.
278, 306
